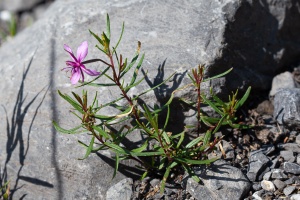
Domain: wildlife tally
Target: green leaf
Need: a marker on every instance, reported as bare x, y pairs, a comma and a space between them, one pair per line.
167, 117
210, 121
117, 159
219, 124
147, 153
137, 70
127, 88
103, 117
117, 148
166, 175
191, 172
194, 142
243, 99
218, 76
192, 79
166, 137
97, 37
66, 131
101, 132
195, 162
207, 138
150, 118
141, 148
71, 101
144, 175
212, 105
162, 163
108, 26
119, 39
101, 50
89, 149
180, 140
133, 61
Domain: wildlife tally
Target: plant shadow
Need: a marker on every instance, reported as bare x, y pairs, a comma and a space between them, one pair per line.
16, 137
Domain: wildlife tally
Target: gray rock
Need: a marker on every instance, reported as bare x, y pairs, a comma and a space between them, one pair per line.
298, 139
220, 34
290, 147
265, 149
287, 156
267, 176
274, 163
18, 5
289, 190
279, 184
289, 181
282, 81
279, 174
229, 151
292, 168
298, 159
295, 197
256, 186
258, 163
287, 107
121, 191
267, 185
258, 195
154, 182
220, 181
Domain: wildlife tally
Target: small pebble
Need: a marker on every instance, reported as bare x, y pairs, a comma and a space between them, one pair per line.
295, 197
257, 195
278, 174
298, 139
256, 186
289, 181
279, 184
267, 185
267, 176
289, 190
287, 156
292, 168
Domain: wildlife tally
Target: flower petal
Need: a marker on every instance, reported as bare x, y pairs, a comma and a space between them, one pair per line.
69, 50
71, 63
75, 76
82, 51
90, 72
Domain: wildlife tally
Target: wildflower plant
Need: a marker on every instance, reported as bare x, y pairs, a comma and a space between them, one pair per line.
166, 150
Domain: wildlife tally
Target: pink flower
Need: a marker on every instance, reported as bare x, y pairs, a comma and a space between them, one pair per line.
76, 65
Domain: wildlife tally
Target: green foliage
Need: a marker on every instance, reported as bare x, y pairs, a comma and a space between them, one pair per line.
5, 190
166, 149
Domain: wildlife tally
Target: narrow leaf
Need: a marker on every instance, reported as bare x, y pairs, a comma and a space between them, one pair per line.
89, 149
219, 75
119, 39
71, 101
108, 26
66, 131
212, 105
243, 99
194, 142
101, 132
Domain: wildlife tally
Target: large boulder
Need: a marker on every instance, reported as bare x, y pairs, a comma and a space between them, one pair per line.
257, 38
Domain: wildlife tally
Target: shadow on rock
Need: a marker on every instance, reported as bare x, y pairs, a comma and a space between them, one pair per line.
16, 138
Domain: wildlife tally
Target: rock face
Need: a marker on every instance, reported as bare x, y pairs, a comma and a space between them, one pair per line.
287, 107
18, 5
254, 37
220, 181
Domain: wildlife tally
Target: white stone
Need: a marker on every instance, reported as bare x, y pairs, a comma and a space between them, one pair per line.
268, 185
